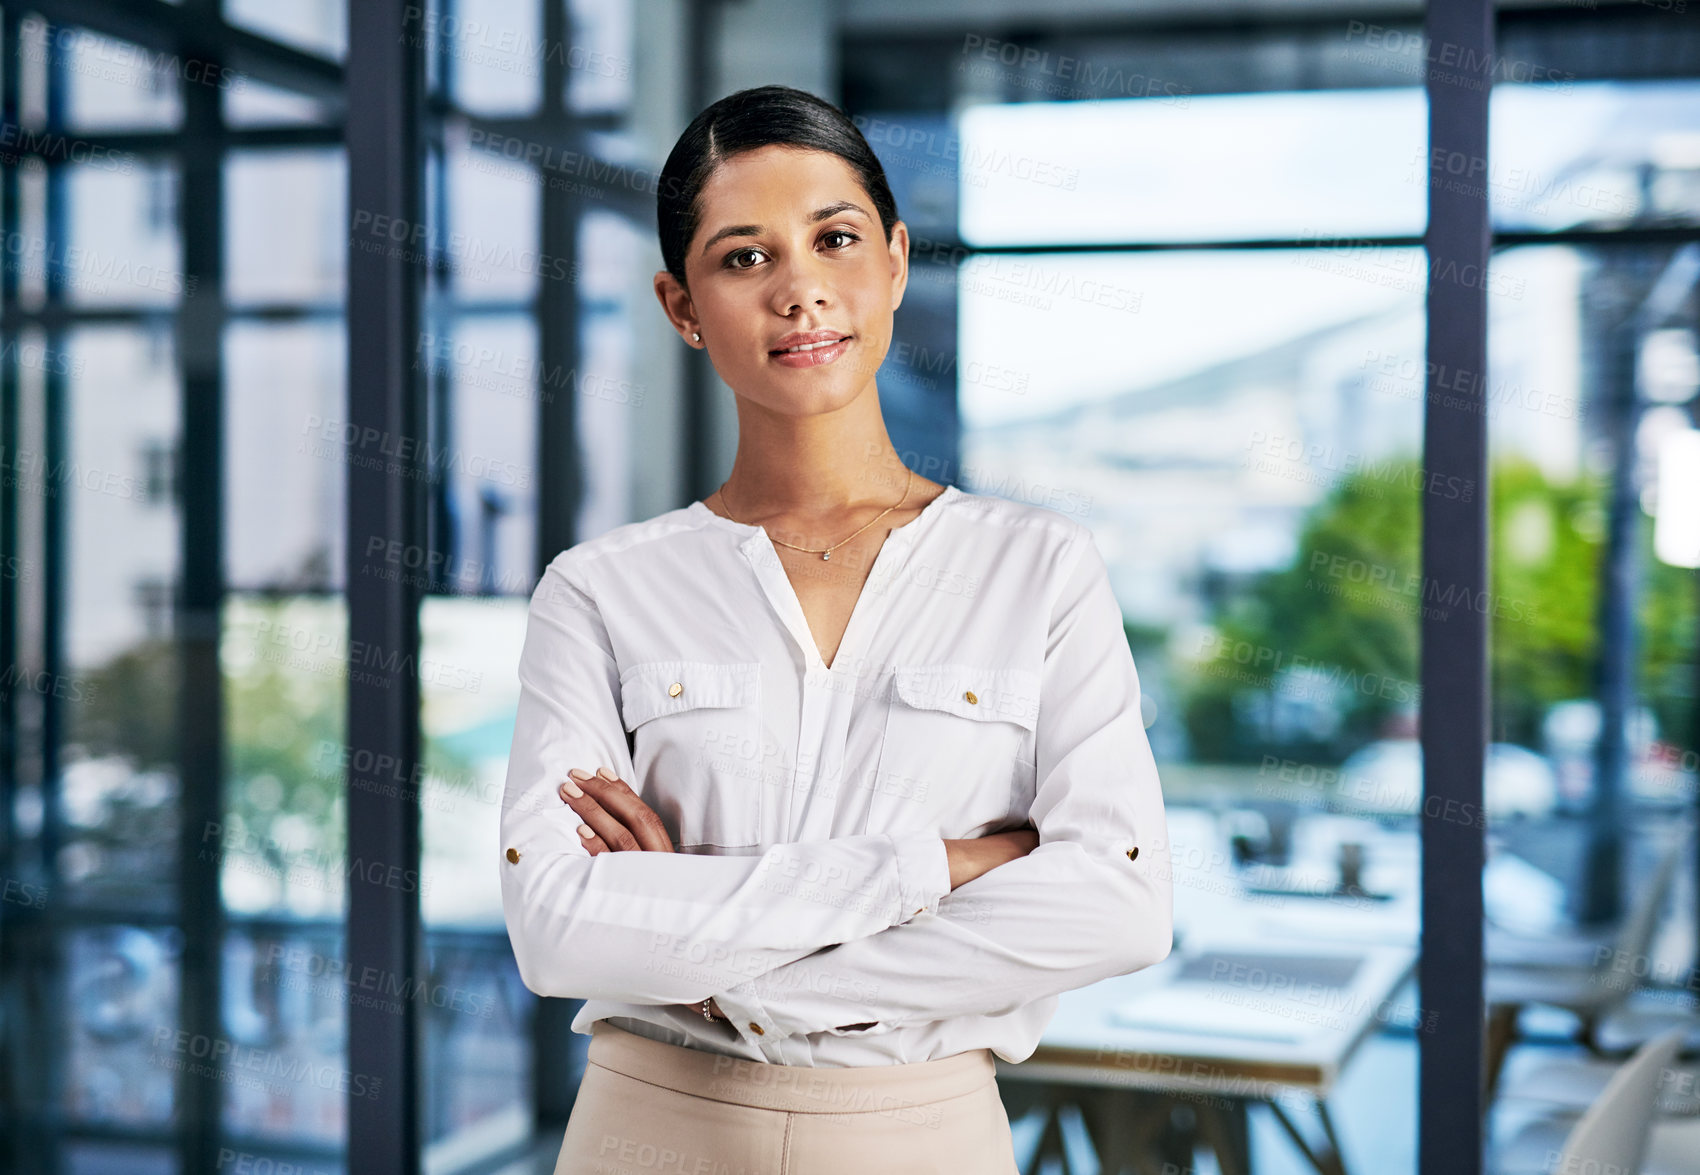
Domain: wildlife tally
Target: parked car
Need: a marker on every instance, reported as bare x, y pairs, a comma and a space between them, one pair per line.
1658, 774
1385, 778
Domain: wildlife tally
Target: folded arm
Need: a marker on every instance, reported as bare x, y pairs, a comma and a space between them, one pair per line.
652, 927
1093, 900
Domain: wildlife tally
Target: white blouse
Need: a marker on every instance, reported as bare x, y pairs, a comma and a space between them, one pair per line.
984, 682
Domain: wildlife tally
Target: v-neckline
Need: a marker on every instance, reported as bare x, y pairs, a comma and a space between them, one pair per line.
764, 558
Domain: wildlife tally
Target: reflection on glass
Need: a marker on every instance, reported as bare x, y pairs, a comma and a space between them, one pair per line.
1590, 154
286, 665
285, 413
119, 783
1195, 168
284, 218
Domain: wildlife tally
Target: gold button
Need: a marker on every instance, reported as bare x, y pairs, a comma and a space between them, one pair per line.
972, 700
756, 1028
1133, 853
675, 690
513, 856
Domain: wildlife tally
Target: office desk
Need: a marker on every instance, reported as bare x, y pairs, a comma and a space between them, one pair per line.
1213, 1028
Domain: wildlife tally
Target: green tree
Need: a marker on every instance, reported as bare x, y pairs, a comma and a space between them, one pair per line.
1351, 604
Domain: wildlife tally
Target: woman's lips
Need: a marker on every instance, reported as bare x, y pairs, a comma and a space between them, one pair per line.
813, 357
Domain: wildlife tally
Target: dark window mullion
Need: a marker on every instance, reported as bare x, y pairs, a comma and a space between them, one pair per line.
1454, 650
200, 598
384, 505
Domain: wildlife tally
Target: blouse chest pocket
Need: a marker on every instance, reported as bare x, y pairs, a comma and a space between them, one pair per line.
696, 747
958, 751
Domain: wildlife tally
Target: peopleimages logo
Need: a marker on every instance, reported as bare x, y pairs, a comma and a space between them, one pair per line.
1399, 582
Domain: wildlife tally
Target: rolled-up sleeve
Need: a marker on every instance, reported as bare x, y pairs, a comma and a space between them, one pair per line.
1091, 901
612, 926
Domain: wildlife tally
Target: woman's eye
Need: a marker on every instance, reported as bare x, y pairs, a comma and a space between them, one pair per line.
849, 238
732, 259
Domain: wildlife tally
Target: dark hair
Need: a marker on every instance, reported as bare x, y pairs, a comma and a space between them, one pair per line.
760, 117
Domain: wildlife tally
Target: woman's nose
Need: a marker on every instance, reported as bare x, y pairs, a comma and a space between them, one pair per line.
802, 286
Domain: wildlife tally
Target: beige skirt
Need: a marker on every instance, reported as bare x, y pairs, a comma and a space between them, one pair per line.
646, 1107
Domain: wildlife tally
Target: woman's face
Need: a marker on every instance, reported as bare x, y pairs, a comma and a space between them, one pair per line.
788, 250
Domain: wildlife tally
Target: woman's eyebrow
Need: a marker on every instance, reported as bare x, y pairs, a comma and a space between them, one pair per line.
755, 230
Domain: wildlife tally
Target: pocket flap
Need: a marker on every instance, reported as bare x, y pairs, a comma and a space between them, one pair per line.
972, 691
655, 688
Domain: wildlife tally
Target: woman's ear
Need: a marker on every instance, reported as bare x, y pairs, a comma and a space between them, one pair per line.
899, 250
676, 304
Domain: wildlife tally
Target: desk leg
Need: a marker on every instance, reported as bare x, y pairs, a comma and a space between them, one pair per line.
1501, 1032
1049, 1144
1132, 1132
1337, 1161
1326, 1159
1223, 1126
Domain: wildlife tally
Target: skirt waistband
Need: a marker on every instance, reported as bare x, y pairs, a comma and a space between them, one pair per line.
798, 1089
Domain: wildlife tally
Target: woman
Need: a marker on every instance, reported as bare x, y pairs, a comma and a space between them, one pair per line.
883, 791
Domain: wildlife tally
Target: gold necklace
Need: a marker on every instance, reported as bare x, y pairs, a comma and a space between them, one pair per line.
826, 553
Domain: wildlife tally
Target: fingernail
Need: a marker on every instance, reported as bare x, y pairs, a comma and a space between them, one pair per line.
579, 773
571, 788
586, 831
607, 773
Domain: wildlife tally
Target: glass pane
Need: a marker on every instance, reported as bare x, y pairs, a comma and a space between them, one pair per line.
1594, 154
493, 208
286, 664
122, 525
101, 1158
1595, 392
124, 247
256, 104
599, 60
125, 1050
112, 83
286, 994
494, 51
489, 460
284, 414
478, 1048
1554, 469
468, 699
1189, 168
615, 263
477, 1015
1222, 424
318, 26
284, 218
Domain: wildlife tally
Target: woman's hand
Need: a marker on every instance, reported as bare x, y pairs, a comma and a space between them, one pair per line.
981, 854
613, 816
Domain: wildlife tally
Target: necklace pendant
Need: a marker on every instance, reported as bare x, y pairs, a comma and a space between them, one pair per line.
825, 555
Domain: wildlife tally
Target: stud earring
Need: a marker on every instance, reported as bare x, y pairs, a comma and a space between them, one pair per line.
696, 336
